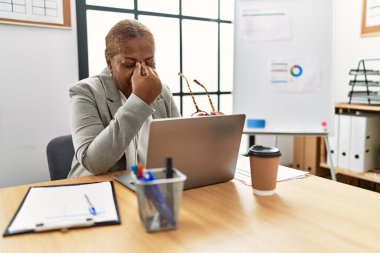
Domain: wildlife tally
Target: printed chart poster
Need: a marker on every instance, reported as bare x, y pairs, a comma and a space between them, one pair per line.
266, 25
294, 74
47, 11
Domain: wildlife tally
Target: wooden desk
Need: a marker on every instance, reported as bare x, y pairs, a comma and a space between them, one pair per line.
307, 215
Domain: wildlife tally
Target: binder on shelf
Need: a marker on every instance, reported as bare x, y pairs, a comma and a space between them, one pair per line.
65, 206
334, 140
365, 137
344, 141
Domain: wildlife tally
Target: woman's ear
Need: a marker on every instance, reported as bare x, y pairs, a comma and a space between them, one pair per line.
109, 65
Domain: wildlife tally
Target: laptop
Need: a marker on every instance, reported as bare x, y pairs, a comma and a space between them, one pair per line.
205, 148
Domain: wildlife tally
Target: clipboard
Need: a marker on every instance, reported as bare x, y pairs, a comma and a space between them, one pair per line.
62, 207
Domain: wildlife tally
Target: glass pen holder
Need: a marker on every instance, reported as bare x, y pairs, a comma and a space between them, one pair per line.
159, 200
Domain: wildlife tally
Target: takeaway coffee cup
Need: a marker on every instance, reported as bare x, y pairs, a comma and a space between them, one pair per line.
264, 167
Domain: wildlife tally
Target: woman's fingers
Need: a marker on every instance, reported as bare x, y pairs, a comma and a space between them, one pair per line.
149, 71
154, 72
137, 70
143, 71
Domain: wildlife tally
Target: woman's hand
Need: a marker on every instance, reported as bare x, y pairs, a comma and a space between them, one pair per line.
216, 113
145, 83
202, 113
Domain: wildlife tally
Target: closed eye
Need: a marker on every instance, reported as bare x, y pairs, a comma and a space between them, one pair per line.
130, 65
150, 63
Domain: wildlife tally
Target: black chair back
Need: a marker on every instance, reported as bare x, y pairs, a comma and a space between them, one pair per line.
60, 154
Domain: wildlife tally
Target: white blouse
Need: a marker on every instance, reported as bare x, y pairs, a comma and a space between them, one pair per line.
137, 150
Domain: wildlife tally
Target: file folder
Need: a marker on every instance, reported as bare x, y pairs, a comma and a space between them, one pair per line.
334, 140
364, 140
344, 141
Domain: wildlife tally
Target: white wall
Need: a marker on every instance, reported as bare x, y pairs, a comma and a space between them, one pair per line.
37, 66
349, 46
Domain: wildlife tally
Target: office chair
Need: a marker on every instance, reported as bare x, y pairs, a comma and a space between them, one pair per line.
60, 153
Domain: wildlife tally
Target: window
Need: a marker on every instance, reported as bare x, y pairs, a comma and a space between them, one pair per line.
194, 37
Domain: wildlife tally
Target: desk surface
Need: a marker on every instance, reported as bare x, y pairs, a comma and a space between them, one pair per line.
258, 131
306, 215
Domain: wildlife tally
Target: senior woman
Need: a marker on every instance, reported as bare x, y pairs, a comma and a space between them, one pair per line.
111, 112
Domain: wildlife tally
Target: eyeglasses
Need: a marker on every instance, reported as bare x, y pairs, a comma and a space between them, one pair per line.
198, 112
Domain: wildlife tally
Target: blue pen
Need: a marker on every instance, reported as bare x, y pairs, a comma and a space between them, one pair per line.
134, 169
91, 207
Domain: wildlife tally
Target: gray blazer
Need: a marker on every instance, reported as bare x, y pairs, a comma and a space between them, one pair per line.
102, 128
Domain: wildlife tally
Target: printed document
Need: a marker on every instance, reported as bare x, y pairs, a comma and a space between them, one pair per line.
65, 204
243, 172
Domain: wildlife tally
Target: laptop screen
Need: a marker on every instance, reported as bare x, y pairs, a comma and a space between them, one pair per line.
204, 148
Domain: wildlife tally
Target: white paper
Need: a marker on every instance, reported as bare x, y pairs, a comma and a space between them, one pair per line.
243, 172
33, 10
52, 205
294, 74
373, 13
265, 24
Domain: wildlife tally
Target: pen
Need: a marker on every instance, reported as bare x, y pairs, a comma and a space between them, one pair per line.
169, 167
134, 169
140, 171
169, 174
154, 194
91, 206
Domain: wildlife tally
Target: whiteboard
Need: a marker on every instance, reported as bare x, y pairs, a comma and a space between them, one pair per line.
283, 65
